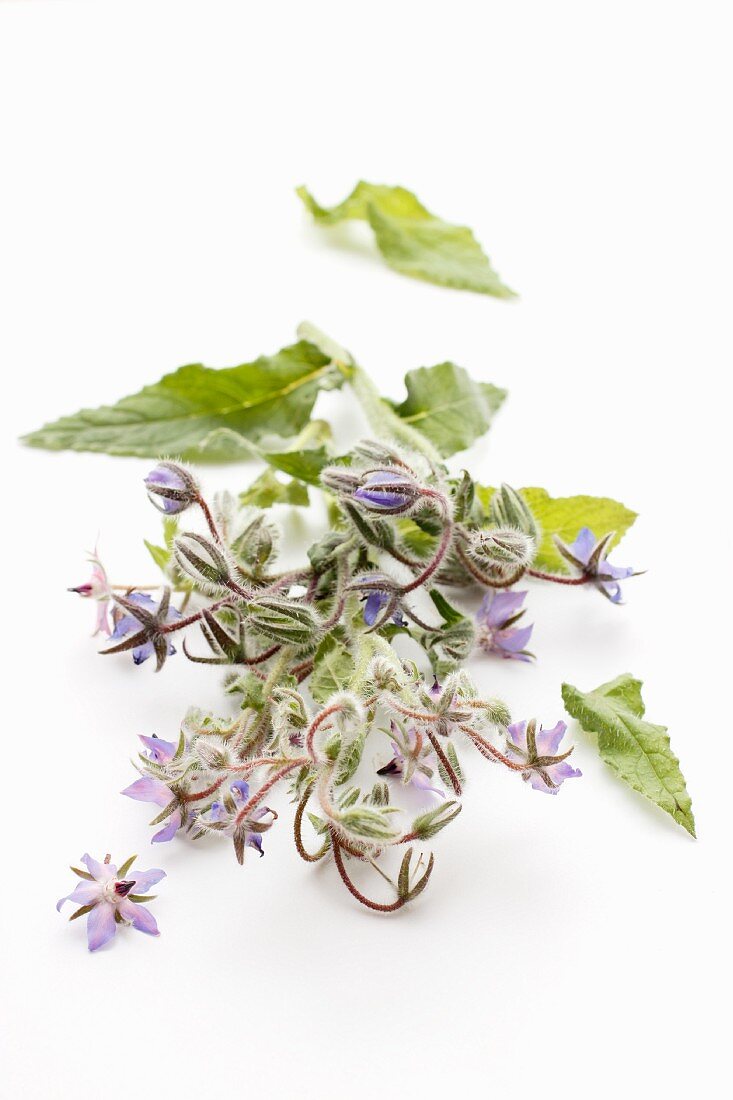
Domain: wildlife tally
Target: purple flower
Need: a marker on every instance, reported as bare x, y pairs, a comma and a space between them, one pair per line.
109, 899
378, 594
97, 588
410, 760
387, 491
159, 751
496, 619
250, 833
588, 554
546, 769
171, 488
137, 627
148, 789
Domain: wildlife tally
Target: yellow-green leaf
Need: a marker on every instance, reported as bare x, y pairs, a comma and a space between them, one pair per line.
414, 241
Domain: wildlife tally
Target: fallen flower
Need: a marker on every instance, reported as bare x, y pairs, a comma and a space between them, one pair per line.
108, 898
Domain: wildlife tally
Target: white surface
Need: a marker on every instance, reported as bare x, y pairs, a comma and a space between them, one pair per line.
575, 945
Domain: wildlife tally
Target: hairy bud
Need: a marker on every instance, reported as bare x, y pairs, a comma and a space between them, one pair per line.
171, 488
503, 553
508, 508
254, 547
389, 492
201, 560
284, 620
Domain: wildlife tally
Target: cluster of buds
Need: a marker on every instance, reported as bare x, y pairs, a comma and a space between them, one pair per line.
275, 631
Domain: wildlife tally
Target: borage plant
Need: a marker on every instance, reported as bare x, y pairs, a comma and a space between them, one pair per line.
324, 705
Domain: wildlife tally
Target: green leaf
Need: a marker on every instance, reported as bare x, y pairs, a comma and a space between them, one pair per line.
564, 516
637, 750
447, 406
333, 666
428, 824
412, 240
367, 823
304, 465
449, 614
268, 489
418, 541
200, 413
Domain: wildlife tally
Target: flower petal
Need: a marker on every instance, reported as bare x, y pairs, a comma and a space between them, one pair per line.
138, 916
582, 547
101, 871
142, 652
145, 879
548, 741
100, 925
160, 751
518, 735
149, 790
374, 604
169, 830
85, 893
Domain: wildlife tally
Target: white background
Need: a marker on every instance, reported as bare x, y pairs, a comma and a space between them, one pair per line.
573, 946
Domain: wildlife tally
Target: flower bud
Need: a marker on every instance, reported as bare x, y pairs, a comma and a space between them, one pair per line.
171, 488
284, 620
254, 547
378, 453
387, 491
464, 497
201, 560
503, 553
508, 508
340, 479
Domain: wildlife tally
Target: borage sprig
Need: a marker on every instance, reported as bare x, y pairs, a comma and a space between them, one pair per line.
321, 634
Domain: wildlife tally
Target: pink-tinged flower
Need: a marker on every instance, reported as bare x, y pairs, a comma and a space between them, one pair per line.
159, 793
171, 488
588, 554
109, 899
411, 760
138, 627
546, 768
497, 631
97, 588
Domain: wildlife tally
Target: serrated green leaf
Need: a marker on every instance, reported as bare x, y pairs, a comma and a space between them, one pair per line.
268, 489
638, 751
446, 405
564, 516
412, 240
333, 666
200, 413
